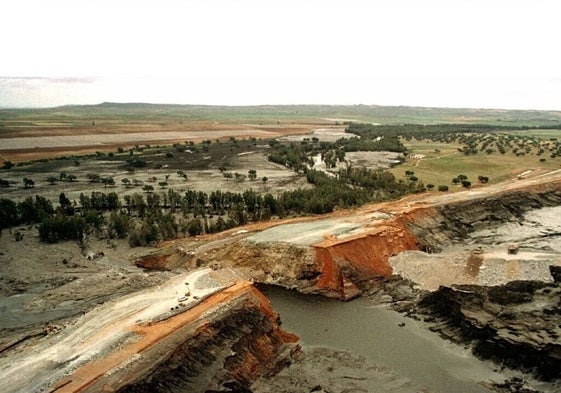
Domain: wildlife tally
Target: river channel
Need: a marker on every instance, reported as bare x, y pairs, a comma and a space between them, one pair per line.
387, 339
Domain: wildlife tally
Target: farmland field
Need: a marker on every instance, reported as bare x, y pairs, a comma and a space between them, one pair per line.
111, 134
442, 162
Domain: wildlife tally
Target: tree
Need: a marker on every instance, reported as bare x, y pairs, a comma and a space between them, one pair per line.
252, 174
466, 183
148, 188
85, 202
93, 177
194, 227
27, 210
138, 163
163, 184
52, 180
139, 204
482, 179
108, 181
340, 153
112, 201
118, 225
8, 213
238, 214
153, 200
270, 203
126, 182
147, 234
8, 165
70, 178
443, 188
65, 204
99, 200
28, 183
54, 229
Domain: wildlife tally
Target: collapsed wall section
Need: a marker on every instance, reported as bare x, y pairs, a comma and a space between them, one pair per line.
350, 265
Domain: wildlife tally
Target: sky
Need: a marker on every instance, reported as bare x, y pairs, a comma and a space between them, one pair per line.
442, 53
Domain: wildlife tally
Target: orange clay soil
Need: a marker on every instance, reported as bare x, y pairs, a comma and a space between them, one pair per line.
343, 262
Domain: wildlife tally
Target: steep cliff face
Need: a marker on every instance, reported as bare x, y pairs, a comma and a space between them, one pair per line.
226, 354
222, 344
347, 267
516, 324
438, 225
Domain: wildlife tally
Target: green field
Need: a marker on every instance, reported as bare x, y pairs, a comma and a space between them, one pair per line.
541, 133
440, 167
277, 113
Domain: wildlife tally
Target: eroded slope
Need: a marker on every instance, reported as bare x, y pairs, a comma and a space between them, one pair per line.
341, 254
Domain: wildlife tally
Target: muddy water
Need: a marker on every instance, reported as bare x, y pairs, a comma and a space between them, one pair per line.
385, 338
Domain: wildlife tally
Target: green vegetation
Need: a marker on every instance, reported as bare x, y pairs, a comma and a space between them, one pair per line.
438, 155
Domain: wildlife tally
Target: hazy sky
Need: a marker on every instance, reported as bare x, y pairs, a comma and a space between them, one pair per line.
454, 53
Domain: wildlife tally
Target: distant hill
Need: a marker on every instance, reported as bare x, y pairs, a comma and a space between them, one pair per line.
289, 113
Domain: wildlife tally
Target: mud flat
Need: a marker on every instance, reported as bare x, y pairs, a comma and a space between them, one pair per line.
322, 134
111, 139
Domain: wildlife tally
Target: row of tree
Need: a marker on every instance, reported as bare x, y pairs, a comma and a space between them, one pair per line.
146, 218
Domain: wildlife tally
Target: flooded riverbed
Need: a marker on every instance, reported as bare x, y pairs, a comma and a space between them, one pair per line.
418, 359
